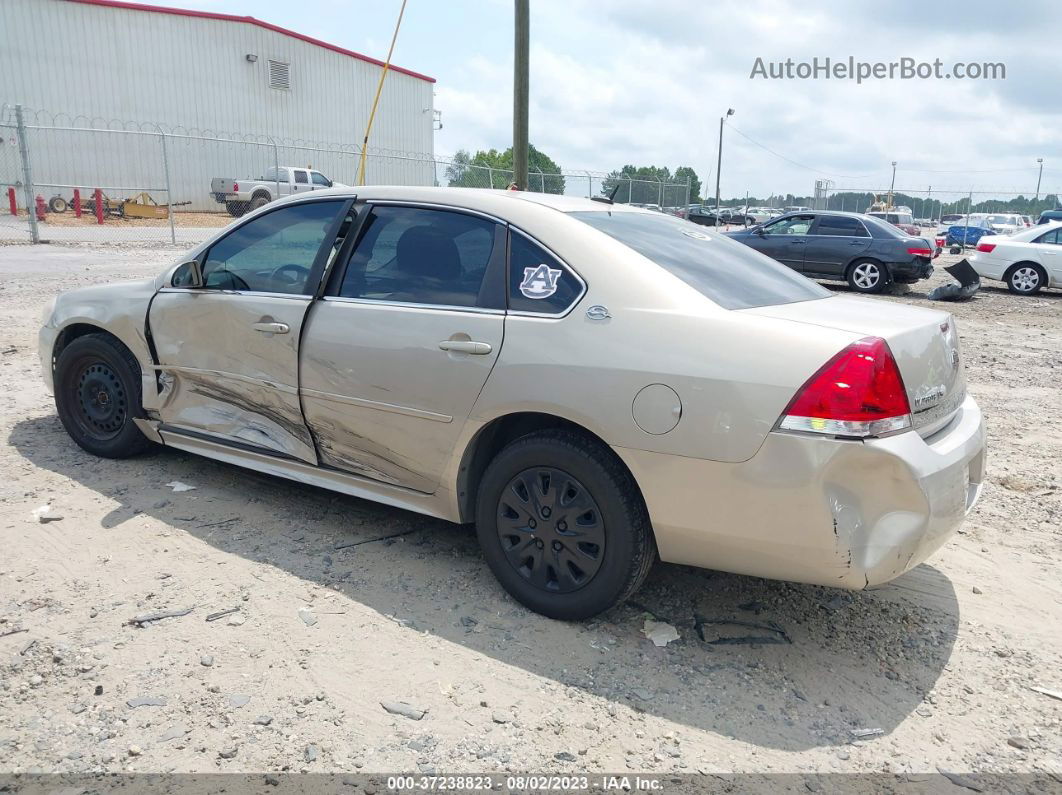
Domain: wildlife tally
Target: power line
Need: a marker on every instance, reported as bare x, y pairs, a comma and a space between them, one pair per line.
795, 163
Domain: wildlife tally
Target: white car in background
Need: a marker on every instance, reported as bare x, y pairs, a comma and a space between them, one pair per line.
1004, 223
1027, 261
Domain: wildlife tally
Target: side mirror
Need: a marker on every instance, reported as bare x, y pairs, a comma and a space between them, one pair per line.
759, 231
188, 274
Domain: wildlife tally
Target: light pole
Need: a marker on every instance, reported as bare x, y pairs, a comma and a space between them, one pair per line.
719, 162
520, 92
1039, 160
892, 186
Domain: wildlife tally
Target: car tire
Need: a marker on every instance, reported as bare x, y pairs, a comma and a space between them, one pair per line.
1026, 278
258, 201
524, 505
867, 276
97, 395
236, 209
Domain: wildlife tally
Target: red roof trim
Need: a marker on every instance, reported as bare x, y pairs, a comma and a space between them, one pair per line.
184, 12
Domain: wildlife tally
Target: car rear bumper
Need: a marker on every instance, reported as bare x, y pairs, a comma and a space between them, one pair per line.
987, 265
911, 271
817, 510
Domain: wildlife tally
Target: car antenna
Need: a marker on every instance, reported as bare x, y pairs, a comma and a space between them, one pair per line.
611, 197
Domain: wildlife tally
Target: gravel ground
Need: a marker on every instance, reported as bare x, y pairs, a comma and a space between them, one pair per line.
342, 604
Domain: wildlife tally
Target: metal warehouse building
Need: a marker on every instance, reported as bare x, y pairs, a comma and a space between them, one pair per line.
233, 96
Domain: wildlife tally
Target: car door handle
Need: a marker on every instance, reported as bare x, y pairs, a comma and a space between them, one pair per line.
466, 346
855, 242
271, 328
798, 242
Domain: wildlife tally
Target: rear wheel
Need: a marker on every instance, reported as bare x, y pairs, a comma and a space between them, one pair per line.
1026, 278
97, 394
236, 209
259, 201
562, 525
867, 276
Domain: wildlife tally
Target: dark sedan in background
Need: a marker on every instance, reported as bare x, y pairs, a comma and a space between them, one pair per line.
866, 252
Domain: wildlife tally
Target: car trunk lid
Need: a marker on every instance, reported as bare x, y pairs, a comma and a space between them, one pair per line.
924, 342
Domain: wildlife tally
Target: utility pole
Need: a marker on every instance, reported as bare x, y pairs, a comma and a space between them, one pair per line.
1039, 160
521, 89
892, 186
719, 162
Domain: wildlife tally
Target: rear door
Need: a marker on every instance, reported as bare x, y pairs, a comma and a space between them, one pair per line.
834, 241
398, 350
300, 181
229, 350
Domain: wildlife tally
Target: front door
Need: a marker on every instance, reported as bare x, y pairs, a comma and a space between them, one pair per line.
784, 240
1050, 248
834, 241
396, 354
229, 350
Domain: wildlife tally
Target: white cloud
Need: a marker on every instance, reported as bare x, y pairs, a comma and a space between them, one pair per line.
634, 82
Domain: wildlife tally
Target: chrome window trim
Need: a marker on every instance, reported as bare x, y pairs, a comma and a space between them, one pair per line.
340, 299
551, 315
214, 291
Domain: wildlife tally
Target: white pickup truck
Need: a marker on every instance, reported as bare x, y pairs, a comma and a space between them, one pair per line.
242, 195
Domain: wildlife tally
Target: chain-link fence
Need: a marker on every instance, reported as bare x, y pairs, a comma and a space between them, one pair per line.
90, 180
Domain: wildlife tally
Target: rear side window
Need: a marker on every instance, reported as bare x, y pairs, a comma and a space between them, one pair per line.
420, 256
841, 226
538, 281
1052, 237
300, 177
729, 273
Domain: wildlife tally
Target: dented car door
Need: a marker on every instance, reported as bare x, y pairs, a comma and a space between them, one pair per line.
229, 350
396, 354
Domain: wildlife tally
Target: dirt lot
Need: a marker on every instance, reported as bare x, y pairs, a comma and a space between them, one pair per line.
343, 604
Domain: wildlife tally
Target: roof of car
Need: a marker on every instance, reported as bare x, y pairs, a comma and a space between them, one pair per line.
482, 199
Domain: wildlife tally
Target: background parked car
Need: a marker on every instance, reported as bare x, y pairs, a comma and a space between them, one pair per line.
1050, 215
901, 220
1004, 223
1027, 261
241, 195
866, 252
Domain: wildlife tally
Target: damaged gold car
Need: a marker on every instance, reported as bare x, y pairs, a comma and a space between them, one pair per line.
595, 386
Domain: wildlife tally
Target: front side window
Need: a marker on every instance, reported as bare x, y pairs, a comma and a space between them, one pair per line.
320, 179
725, 271
840, 226
273, 253
538, 281
798, 225
420, 256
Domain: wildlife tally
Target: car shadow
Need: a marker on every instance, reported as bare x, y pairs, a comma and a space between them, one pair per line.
773, 664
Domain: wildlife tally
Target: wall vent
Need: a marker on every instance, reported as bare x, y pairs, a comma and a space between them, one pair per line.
280, 75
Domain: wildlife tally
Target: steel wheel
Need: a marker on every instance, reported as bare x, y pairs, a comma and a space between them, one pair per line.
97, 394
102, 402
1025, 279
551, 530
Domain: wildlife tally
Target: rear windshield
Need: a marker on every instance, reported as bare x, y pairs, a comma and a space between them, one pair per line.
729, 273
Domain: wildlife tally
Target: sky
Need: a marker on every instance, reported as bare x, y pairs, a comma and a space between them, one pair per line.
645, 82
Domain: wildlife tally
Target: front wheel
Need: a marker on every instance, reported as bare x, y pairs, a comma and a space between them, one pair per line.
867, 276
97, 395
562, 525
1026, 279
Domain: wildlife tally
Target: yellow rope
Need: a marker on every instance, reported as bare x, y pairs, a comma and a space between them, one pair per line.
376, 100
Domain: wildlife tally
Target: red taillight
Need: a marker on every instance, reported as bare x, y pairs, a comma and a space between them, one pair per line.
920, 252
859, 392
235, 187
986, 247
